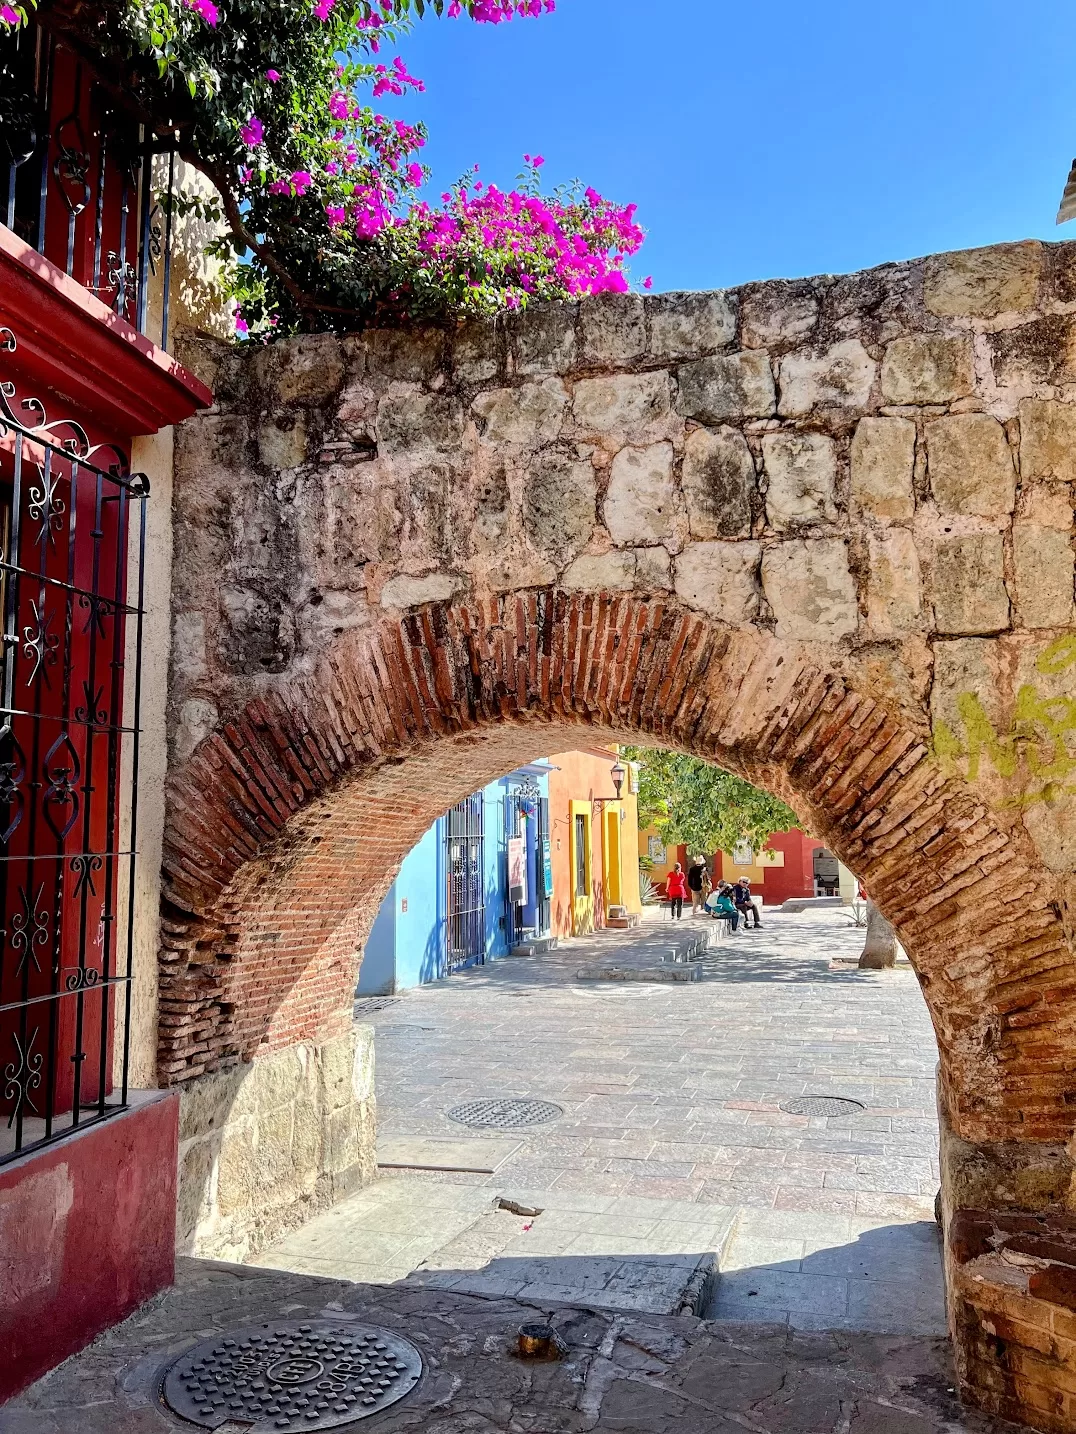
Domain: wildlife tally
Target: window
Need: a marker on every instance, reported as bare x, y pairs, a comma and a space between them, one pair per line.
582, 844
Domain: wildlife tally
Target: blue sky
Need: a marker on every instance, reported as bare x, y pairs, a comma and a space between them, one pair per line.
771, 139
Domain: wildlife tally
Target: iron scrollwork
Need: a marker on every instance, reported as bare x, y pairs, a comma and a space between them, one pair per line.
62, 770
72, 165
22, 1075
12, 776
65, 433
44, 506
30, 927
39, 644
84, 865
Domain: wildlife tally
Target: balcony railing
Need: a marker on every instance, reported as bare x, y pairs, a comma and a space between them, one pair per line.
83, 181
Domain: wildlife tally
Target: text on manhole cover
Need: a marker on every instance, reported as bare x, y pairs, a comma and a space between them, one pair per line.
290, 1376
506, 1114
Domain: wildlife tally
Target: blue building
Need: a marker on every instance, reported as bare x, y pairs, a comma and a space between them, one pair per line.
476, 885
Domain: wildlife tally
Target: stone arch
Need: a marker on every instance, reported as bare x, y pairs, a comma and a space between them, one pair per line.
288, 824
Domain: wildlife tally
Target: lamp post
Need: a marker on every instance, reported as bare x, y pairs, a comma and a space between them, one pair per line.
618, 773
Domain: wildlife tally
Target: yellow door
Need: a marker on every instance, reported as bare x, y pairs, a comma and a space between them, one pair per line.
613, 883
582, 883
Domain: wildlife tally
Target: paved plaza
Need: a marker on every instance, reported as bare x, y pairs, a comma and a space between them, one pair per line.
673, 1179
628, 1373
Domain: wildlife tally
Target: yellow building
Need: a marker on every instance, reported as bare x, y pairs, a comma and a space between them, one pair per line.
594, 841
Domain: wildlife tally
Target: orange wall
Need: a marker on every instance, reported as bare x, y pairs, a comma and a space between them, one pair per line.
584, 776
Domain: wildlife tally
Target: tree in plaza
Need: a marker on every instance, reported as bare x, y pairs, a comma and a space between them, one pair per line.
703, 806
880, 947
278, 104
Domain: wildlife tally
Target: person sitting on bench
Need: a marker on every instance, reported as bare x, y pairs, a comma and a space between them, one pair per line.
741, 895
721, 906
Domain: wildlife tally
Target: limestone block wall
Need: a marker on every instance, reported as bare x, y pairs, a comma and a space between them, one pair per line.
267, 1143
819, 531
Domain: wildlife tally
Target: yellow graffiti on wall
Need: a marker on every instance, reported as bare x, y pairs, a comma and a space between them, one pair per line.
1034, 753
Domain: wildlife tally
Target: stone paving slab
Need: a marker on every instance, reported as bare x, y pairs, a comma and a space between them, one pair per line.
630, 1374
655, 1256
703, 1069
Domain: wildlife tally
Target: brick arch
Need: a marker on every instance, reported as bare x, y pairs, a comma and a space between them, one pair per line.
287, 824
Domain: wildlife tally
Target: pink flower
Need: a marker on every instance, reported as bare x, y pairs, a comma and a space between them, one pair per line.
280, 186
336, 214
10, 17
272, 76
241, 325
338, 106
205, 8
414, 174
301, 181
332, 167
245, 174
322, 8
253, 132
648, 282
538, 161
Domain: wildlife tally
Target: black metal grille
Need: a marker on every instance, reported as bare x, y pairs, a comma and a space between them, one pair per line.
526, 812
76, 177
72, 640
465, 906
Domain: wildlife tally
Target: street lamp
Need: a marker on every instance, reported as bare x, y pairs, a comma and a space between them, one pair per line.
618, 773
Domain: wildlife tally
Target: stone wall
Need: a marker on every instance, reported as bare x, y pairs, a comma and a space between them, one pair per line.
817, 531
268, 1143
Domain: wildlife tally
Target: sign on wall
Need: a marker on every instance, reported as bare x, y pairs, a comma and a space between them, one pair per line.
517, 871
743, 854
547, 868
655, 849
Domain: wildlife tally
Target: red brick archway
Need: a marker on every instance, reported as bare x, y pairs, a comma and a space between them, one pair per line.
288, 824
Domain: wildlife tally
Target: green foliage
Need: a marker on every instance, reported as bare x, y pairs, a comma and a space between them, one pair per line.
279, 104
703, 806
648, 892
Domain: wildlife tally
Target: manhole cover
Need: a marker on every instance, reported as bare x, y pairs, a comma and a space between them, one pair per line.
369, 1005
505, 1114
273, 1377
822, 1105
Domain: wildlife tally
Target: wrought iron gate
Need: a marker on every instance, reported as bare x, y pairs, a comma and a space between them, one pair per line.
72, 639
465, 908
524, 805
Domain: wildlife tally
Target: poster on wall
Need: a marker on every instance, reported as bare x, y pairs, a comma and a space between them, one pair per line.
517, 871
547, 869
656, 850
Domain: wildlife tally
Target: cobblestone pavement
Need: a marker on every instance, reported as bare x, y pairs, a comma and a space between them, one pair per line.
673, 1156
638, 1374
675, 1091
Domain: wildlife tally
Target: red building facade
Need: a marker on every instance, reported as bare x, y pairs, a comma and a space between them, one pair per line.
81, 242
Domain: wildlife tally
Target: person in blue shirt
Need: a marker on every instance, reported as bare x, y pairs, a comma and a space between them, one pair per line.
720, 904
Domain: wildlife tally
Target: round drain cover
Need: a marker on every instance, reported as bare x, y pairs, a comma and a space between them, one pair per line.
822, 1105
505, 1114
275, 1377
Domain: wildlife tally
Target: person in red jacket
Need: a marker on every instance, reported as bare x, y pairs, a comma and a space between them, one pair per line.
676, 890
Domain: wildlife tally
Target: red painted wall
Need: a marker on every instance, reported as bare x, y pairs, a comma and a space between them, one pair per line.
87, 1234
796, 877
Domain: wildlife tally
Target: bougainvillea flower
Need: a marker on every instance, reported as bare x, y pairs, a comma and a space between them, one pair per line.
205, 8
253, 132
272, 76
